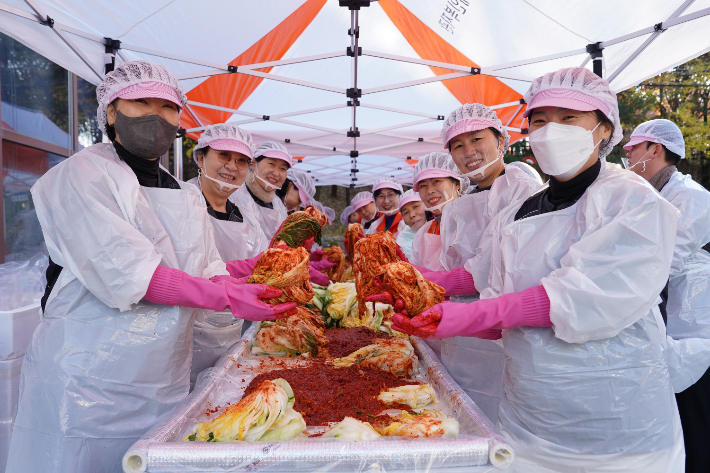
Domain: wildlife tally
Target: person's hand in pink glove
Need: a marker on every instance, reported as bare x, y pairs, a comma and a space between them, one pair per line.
242, 268
170, 286
321, 265
308, 244
317, 255
317, 277
528, 308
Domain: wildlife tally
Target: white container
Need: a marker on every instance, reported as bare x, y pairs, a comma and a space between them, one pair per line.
9, 386
5, 434
16, 329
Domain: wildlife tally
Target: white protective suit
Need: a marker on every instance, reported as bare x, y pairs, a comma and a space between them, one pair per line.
405, 238
477, 365
426, 247
688, 308
103, 366
592, 393
269, 219
394, 231
215, 332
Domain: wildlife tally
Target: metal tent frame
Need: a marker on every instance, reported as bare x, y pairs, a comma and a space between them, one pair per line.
322, 166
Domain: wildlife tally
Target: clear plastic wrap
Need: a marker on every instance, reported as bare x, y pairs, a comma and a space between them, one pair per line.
22, 283
479, 443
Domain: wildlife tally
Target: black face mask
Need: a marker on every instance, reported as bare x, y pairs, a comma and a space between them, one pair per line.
146, 137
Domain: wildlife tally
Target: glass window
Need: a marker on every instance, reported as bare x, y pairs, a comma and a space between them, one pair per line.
35, 99
22, 166
89, 133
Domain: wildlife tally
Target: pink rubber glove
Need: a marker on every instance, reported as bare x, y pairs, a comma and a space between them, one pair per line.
317, 277
317, 255
401, 255
170, 286
457, 281
243, 267
308, 244
528, 308
321, 265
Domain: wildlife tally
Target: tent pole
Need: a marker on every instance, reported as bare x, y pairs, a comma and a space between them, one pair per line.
354, 93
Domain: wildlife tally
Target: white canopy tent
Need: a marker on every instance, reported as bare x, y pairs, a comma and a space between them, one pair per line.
286, 69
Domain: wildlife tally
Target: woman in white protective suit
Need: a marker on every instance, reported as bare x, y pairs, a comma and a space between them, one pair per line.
438, 183
266, 175
413, 216
132, 256
223, 154
477, 141
655, 148
575, 275
386, 191
297, 190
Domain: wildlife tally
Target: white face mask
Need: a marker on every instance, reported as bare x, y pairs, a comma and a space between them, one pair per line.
479, 174
625, 162
269, 187
224, 186
562, 150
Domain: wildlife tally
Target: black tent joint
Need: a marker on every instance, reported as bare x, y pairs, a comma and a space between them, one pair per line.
524, 131
475, 71
439, 117
181, 132
355, 102
420, 139
353, 154
354, 134
287, 140
48, 22
659, 27
353, 93
350, 53
265, 117
354, 4
232, 69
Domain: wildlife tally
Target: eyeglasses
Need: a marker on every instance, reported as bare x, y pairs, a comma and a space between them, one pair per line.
239, 160
383, 197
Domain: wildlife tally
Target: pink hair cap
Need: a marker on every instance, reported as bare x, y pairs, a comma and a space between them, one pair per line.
566, 98
148, 89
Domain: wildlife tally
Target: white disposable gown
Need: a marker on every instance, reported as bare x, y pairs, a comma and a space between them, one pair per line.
477, 365
426, 248
216, 331
103, 365
269, 219
688, 308
592, 393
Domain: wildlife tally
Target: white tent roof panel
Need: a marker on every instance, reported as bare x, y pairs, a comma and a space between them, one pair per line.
189, 37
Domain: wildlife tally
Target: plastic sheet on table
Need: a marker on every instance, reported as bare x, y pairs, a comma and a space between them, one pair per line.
479, 447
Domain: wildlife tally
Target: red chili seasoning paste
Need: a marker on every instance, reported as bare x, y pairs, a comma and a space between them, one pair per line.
344, 341
327, 394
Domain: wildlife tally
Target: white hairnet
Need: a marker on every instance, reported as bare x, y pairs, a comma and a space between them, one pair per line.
660, 131
128, 74
472, 117
409, 196
330, 213
345, 215
588, 88
272, 149
442, 162
242, 141
387, 183
304, 184
361, 199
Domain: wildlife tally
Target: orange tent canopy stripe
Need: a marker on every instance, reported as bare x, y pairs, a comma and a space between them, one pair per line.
231, 90
475, 89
